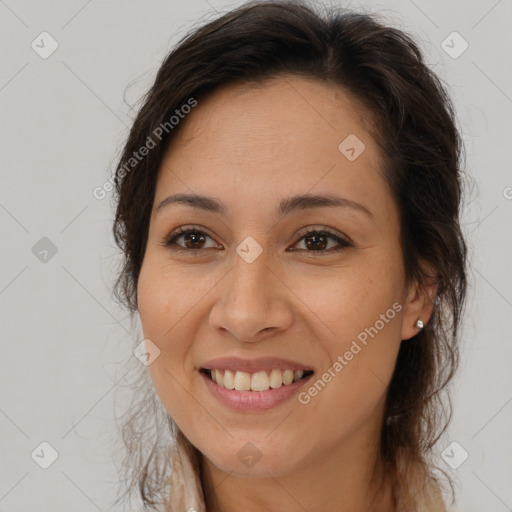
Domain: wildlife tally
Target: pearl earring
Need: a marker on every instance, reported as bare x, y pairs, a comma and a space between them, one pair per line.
420, 324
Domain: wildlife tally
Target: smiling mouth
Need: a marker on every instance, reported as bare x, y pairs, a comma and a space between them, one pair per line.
257, 381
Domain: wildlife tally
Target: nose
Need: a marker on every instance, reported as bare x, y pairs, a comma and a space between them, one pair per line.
253, 301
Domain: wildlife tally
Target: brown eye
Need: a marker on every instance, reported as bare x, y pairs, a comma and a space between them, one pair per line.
193, 239
317, 241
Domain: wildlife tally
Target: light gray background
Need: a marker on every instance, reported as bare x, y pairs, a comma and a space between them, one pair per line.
64, 340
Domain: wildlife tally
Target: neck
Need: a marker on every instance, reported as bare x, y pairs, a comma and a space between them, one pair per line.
347, 478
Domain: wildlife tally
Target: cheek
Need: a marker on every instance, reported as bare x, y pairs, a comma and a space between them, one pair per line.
344, 302
160, 310
166, 294
153, 302
358, 315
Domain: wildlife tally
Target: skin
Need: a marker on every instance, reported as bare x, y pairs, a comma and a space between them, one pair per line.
251, 146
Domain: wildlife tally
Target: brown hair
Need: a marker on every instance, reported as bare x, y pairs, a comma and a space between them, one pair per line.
414, 124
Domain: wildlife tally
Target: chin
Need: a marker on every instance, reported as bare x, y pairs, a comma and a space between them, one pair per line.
261, 469
252, 461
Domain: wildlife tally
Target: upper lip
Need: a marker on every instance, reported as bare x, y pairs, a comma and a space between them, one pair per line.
254, 365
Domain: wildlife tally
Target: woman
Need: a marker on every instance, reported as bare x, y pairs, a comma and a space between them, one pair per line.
288, 209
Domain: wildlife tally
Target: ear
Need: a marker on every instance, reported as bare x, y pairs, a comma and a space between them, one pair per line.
419, 303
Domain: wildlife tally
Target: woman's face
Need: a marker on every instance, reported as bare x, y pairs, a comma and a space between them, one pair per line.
247, 292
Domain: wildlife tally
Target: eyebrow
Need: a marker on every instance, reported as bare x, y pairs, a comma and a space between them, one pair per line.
286, 206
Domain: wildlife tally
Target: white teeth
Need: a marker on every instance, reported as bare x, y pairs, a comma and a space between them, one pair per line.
242, 381
259, 381
219, 377
229, 379
276, 379
287, 377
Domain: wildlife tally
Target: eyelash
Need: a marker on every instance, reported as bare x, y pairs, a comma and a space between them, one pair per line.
170, 240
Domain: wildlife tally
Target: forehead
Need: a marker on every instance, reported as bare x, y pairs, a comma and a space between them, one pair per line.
281, 137
280, 112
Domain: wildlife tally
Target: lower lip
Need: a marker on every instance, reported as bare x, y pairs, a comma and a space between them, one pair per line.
253, 400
